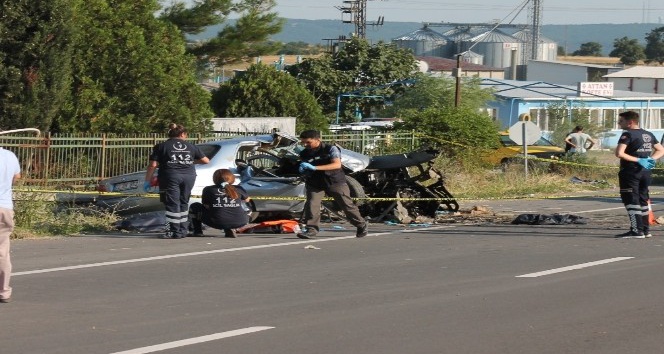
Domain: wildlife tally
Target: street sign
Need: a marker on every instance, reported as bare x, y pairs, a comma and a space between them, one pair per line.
525, 133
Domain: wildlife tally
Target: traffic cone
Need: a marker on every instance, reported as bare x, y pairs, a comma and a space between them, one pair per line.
651, 215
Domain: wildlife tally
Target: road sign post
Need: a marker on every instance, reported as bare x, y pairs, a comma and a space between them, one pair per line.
525, 133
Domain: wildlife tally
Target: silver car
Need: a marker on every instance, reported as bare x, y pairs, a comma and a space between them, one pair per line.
264, 165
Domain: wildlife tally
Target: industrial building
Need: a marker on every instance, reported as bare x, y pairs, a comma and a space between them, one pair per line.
504, 47
639, 78
443, 67
567, 73
514, 98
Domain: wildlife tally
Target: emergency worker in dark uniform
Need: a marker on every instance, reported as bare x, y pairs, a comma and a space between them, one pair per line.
637, 149
175, 158
321, 164
222, 206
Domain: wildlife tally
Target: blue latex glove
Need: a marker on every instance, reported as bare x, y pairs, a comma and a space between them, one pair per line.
305, 166
647, 162
146, 186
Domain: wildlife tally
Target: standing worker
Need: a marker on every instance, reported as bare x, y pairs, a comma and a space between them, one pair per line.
578, 141
321, 163
635, 150
175, 158
222, 205
10, 171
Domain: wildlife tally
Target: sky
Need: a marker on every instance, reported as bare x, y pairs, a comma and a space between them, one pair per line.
554, 12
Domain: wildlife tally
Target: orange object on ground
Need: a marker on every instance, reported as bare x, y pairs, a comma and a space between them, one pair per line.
651, 215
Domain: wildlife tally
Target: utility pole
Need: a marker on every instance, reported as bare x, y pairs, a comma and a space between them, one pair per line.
355, 12
457, 72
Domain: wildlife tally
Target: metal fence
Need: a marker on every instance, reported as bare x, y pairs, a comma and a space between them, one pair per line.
83, 159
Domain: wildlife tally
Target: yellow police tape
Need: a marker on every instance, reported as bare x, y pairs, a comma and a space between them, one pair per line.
369, 199
372, 199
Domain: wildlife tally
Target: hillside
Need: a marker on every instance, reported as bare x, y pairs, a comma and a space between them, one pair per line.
569, 37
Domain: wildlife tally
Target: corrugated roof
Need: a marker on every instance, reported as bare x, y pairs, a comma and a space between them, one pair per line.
422, 34
460, 33
494, 37
538, 90
471, 54
524, 33
649, 72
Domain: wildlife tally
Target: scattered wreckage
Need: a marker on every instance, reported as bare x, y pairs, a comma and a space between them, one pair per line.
399, 187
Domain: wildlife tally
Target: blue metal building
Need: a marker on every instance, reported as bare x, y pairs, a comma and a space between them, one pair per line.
513, 98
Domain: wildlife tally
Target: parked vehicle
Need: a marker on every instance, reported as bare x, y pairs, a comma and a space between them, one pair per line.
509, 151
266, 166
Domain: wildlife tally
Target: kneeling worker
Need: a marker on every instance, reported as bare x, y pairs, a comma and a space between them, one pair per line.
222, 206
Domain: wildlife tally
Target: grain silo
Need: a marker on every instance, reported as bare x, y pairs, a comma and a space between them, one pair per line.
472, 57
424, 42
496, 47
547, 49
457, 36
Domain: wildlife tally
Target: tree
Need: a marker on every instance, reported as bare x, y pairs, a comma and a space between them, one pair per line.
194, 19
35, 69
263, 91
367, 70
247, 37
453, 129
628, 50
440, 93
428, 107
136, 77
655, 46
592, 49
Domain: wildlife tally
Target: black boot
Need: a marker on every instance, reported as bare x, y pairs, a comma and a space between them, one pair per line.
230, 233
197, 228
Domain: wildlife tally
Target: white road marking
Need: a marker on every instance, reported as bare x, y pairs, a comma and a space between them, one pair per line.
606, 209
574, 267
190, 341
596, 210
155, 258
428, 228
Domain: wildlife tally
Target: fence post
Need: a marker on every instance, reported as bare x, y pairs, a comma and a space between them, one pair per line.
48, 156
412, 139
102, 171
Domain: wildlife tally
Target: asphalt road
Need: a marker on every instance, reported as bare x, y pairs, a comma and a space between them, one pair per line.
444, 288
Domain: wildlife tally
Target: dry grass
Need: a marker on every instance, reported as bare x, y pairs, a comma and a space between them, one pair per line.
598, 60
590, 60
511, 182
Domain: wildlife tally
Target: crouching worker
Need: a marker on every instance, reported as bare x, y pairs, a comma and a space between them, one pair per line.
222, 206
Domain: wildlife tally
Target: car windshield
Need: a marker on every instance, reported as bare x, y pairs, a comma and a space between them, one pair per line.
291, 152
506, 141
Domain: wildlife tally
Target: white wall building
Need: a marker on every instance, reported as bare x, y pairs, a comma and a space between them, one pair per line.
639, 79
566, 73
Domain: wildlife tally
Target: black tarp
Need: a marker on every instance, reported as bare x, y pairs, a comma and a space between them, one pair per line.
553, 219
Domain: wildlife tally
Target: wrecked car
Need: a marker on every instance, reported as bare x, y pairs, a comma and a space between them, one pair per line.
267, 167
